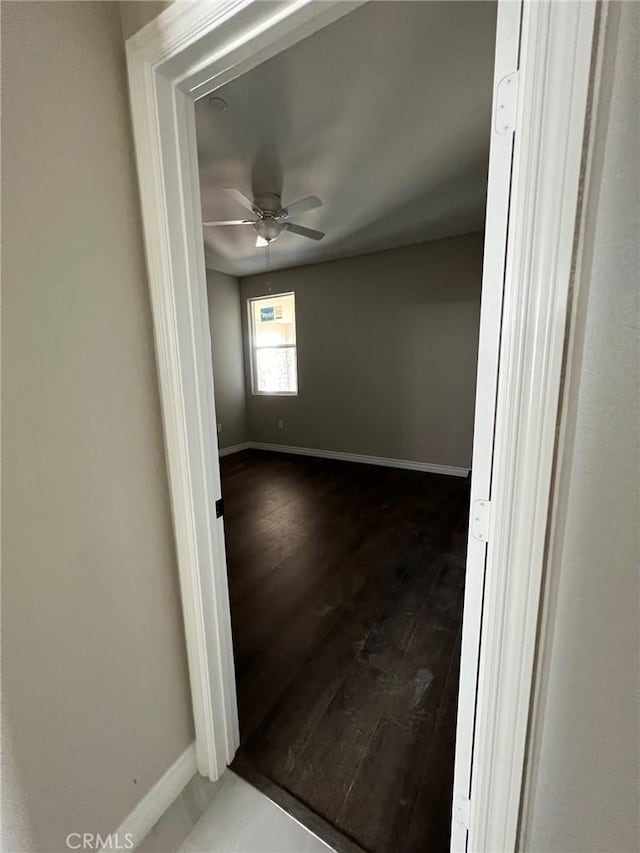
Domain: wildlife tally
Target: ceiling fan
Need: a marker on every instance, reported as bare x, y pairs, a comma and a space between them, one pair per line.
271, 217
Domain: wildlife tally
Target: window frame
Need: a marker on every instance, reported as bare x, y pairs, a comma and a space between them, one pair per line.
253, 347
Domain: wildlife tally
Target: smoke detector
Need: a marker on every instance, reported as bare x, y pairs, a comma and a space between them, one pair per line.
218, 104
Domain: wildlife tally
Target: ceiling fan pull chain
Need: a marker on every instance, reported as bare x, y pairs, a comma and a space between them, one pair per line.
268, 248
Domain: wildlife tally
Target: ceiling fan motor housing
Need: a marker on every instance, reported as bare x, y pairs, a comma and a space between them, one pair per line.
269, 203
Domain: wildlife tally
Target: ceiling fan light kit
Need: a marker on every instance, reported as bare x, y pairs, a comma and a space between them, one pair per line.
271, 217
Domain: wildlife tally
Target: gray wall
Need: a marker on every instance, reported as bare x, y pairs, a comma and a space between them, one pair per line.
228, 364
387, 353
96, 701
585, 786
135, 14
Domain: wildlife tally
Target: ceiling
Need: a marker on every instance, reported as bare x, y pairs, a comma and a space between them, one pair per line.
384, 114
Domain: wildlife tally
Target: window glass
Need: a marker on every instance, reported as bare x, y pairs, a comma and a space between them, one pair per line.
272, 323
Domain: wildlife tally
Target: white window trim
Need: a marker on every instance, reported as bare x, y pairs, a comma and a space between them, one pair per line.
251, 326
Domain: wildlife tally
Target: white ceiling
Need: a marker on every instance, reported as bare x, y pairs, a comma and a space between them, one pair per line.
385, 115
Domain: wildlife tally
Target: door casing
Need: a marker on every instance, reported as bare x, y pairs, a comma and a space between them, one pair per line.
190, 50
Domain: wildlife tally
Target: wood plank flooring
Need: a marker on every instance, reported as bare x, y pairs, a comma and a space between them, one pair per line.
346, 586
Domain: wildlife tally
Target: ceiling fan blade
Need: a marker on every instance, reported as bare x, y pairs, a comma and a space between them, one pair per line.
261, 242
242, 199
302, 205
232, 222
302, 231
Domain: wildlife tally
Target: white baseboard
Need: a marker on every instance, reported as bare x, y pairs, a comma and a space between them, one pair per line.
151, 807
428, 467
234, 448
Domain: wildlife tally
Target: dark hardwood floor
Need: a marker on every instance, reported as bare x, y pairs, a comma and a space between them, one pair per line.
346, 585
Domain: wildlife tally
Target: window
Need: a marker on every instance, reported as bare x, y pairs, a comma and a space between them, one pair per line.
272, 328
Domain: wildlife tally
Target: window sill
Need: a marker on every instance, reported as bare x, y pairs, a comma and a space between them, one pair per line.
274, 393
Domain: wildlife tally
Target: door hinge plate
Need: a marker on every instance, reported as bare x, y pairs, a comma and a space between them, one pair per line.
506, 103
219, 507
480, 518
461, 811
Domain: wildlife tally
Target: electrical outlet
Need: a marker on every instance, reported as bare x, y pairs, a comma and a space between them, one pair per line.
280, 424
219, 427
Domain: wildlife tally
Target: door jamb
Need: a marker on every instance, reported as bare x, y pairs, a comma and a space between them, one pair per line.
192, 49
555, 62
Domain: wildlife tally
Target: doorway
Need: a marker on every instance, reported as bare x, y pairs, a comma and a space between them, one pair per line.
344, 374
169, 65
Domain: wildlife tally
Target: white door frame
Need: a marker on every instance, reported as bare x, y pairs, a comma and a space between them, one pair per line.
505, 555
506, 77
192, 49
